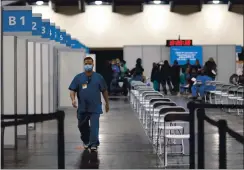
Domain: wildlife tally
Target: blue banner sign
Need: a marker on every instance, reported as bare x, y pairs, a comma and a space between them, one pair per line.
87, 50
238, 49
62, 37
52, 32
36, 25
45, 30
183, 53
17, 19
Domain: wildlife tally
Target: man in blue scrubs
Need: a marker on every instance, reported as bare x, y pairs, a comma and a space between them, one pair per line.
88, 87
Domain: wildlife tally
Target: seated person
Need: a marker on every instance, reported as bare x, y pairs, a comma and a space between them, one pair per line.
199, 85
115, 69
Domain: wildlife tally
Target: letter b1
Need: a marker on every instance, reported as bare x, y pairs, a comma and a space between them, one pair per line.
12, 20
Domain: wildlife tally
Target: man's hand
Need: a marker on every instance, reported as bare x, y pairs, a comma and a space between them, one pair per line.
107, 107
74, 103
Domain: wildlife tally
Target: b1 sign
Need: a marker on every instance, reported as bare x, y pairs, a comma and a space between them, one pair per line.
183, 53
17, 19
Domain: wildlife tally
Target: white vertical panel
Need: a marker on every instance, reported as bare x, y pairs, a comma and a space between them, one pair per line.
131, 53
9, 52
150, 54
209, 51
165, 53
45, 77
31, 78
226, 62
71, 64
21, 81
51, 106
38, 91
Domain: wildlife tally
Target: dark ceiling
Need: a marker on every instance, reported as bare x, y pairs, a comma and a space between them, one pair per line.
115, 3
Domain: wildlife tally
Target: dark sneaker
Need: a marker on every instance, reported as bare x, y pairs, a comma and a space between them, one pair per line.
93, 148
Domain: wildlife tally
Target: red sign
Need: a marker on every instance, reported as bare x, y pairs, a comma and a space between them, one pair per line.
170, 43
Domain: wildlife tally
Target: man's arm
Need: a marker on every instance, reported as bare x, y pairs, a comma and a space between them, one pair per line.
72, 96
105, 96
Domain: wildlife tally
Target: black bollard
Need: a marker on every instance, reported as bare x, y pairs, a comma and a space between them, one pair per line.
200, 137
191, 107
61, 147
222, 144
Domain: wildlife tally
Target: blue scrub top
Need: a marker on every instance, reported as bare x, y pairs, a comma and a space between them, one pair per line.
88, 92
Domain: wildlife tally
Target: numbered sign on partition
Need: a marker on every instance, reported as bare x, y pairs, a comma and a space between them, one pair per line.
53, 33
45, 29
17, 19
68, 40
57, 35
36, 24
62, 37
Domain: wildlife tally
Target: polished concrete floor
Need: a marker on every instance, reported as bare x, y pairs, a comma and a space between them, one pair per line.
124, 144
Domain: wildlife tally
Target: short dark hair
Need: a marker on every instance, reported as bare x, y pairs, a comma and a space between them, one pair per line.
88, 58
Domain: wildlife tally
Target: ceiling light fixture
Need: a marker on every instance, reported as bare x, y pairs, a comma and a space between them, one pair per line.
98, 2
157, 2
39, 2
216, 2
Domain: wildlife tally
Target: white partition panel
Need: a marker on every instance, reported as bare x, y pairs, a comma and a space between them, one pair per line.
9, 55
38, 78
131, 53
70, 64
31, 79
209, 51
51, 103
165, 53
45, 78
150, 54
55, 78
22, 84
226, 62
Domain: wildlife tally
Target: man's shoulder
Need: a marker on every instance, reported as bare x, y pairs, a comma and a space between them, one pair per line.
98, 75
80, 75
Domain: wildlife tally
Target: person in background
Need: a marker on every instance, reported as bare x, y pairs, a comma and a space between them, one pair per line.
165, 76
138, 71
193, 74
123, 68
187, 65
183, 81
153, 74
88, 87
108, 73
201, 88
175, 76
115, 69
210, 68
197, 66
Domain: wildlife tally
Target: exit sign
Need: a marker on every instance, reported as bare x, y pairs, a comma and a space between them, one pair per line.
170, 43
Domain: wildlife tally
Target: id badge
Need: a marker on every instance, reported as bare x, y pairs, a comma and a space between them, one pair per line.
84, 86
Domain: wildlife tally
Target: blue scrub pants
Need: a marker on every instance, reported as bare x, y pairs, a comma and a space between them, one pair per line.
137, 78
89, 132
202, 89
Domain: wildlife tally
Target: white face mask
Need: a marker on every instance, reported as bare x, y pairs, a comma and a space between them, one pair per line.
161, 63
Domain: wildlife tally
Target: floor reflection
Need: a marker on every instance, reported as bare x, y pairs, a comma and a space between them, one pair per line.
88, 160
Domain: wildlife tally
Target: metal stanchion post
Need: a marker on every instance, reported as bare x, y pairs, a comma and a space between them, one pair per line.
222, 144
191, 107
200, 137
61, 152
